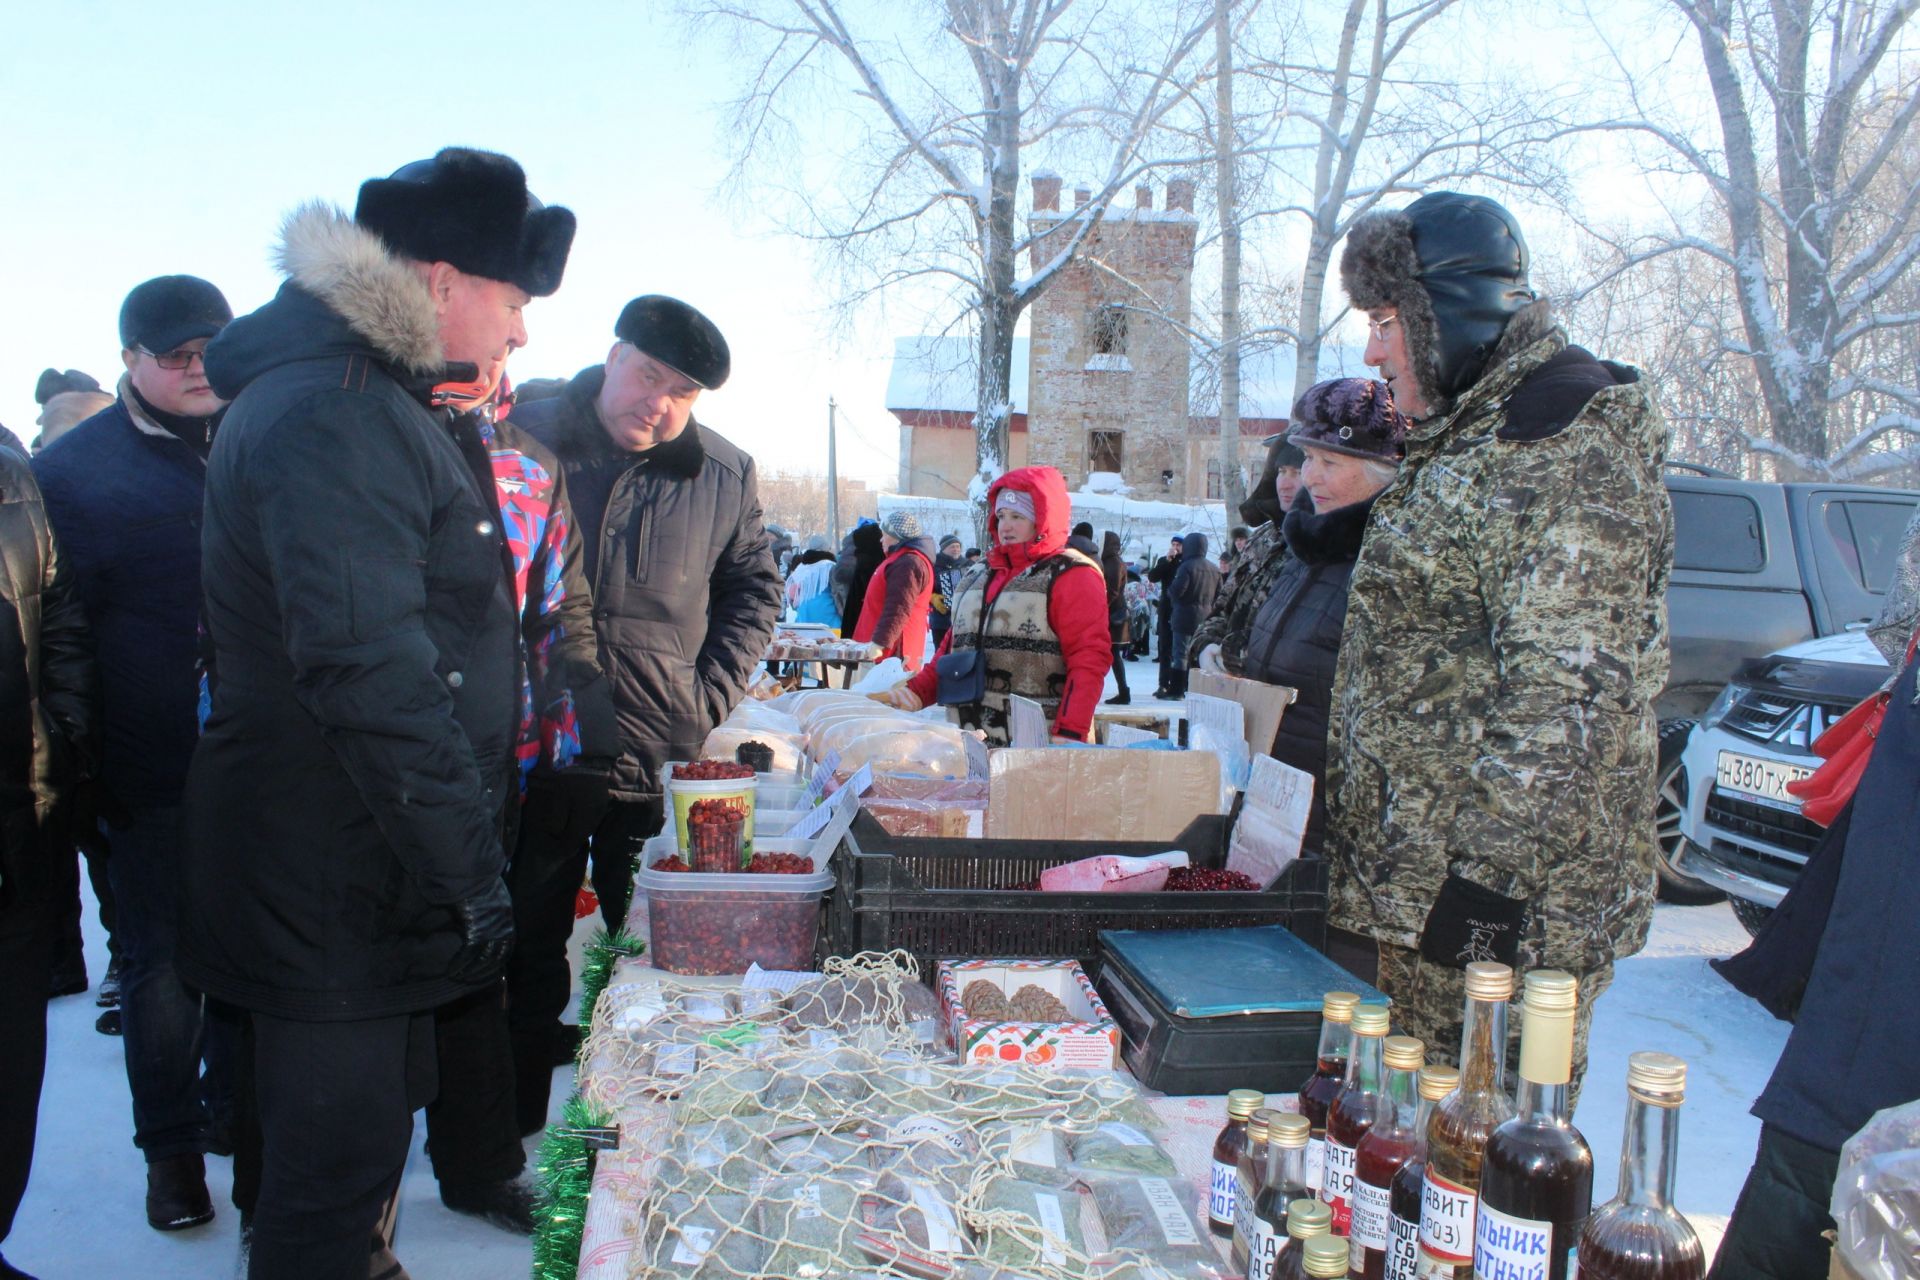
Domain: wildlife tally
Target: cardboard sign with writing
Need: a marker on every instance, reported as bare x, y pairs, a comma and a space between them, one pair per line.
1264, 704
1026, 723
1272, 822
1050, 794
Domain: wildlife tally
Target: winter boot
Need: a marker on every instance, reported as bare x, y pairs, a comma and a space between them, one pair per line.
108, 996
507, 1204
177, 1193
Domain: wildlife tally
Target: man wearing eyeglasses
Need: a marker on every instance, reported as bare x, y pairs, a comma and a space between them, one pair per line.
123, 493
1491, 774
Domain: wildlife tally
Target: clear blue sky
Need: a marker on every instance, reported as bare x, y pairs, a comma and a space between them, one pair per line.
143, 139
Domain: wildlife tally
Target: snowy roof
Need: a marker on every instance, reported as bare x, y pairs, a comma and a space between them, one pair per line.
937, 373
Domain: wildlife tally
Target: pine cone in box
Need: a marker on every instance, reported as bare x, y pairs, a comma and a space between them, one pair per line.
985, 1001
1033, 1004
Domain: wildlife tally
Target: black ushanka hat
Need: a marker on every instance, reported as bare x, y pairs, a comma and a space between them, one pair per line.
471, 209
677, 336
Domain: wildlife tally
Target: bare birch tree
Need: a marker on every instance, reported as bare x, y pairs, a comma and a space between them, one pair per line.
1814, 204
942, 102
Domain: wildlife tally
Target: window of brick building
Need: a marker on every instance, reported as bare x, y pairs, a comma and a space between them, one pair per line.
1215, 490
1108, 334
1105, 450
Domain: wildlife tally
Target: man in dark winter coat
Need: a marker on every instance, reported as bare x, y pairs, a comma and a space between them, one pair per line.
1161, 575
346, 803
861, 552
49, 705
1194, 589
124, 491
893, 615
946, 574
686, 594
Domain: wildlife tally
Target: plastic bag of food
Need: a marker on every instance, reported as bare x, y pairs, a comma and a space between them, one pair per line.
1038, 1153
919, 1216
731, 1151
1876, 1197
923, 820
816, 1151
924, 748
1114, 1146
824, 1090
754, 715
718, 1092
1023, 1225
1150, 1227
701, 1237
813, 1219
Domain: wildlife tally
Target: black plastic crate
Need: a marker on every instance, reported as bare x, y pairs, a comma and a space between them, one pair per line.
941, 899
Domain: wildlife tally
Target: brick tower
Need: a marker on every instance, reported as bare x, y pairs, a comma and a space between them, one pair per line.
1108, 372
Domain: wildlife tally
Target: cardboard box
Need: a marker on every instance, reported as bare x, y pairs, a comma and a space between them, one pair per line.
1092, 1040
1265, 704
1056, 793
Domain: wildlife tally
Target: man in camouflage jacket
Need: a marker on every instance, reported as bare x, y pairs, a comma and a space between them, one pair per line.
1250, 581
1492, 748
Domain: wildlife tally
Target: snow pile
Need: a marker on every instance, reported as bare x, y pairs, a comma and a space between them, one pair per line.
1146, 524
1106, 482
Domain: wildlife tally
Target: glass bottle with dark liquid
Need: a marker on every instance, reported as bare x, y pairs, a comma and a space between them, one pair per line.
1536, 1178
1354, 1111
1403, 1250
1282, 1182
1241, 1104
1329, 1073
1306, 1220
1457, 1131
1246, 1185
1386, 1147
1639, 1235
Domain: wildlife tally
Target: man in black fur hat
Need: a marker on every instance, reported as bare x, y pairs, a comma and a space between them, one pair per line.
345, 804
1491, 753
685, 590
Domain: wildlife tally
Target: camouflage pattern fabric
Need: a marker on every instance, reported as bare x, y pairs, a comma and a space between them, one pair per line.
1899, 612
1506, 634
1429, 999
1248, 584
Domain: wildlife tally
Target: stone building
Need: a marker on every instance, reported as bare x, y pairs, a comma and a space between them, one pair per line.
1106, 387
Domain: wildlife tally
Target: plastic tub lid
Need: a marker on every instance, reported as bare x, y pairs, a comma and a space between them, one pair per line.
672, 882
1211, 973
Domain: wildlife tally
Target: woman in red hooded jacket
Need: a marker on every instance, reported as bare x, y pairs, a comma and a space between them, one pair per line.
1038, 611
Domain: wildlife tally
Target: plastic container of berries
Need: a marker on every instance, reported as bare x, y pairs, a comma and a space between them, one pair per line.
724, 923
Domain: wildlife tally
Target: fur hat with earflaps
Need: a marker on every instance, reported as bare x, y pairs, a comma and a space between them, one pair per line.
1454, 267
471, 209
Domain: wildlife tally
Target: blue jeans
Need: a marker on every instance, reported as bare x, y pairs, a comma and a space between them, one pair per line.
161, 1019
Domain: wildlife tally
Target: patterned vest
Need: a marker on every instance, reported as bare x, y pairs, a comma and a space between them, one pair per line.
1022, 652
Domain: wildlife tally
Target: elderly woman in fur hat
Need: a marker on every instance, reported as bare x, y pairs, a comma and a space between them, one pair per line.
1351, 438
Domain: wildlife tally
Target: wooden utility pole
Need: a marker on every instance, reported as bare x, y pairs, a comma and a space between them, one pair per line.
1232, 490
833, 481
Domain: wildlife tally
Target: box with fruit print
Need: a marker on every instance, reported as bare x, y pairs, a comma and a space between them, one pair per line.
1040, 1013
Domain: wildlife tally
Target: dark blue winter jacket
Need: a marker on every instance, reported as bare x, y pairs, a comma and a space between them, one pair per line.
124, 495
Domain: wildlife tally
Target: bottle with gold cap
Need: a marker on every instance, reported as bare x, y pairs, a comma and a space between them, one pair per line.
1307, 1221
1389, 1144
1246, 1184
1329, 1073
1355, 1110
1403, 1249
1536, 1180
1457, 1131
1323, 1258
1282, 1182
1639, 1235
1241, 1104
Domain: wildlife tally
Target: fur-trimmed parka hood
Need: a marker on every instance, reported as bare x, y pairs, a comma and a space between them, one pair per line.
345, 293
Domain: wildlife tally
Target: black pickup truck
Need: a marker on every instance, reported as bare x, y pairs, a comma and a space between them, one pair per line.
1758, 567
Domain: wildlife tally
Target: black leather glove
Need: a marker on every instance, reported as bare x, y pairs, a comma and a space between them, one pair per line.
569, 803
486, 934
1469, 923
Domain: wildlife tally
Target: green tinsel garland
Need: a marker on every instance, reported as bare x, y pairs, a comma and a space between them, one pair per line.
565, 1170
565, 1165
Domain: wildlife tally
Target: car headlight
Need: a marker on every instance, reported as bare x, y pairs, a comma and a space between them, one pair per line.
1728, 699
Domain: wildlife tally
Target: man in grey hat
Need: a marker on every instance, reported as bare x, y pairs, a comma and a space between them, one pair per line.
685, 590
1492, 745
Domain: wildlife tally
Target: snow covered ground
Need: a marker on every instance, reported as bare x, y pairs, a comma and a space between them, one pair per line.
84, 1215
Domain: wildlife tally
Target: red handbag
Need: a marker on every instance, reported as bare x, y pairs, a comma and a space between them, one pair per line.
1845, 748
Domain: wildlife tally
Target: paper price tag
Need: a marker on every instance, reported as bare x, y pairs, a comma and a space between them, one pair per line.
1123, 735
1026, 723
862, 780
822, 774
1272, 823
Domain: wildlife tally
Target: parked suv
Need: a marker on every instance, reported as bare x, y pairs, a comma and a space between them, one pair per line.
1757, 568
1740, 830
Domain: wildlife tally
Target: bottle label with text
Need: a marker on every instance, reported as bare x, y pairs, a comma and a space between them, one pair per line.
1372, 1218
1446, 1219
1403, 1250
1317, 1165
1339, 1185
1220, 1195
1243, 1196
1263, 1246
1510, 1248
